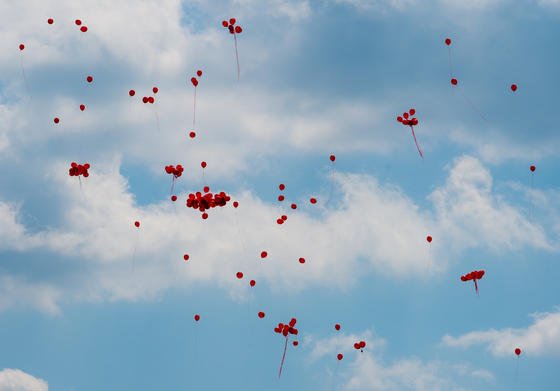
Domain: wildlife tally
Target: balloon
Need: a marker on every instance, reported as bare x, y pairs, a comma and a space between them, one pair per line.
50, 21
517, 351
447, 41
197, 317
454, 81
83, 29
302, 260
337, 327
339, 356
78, 22
252, 282
332, 158
192, 134
313, 200
264, 254
82, 107
429, 239
514, 87
89, 79
131, 93
137, 224
239, 275
404, 119
533, 168
293, 206
261, 314
174, 198
21, 46
186, 257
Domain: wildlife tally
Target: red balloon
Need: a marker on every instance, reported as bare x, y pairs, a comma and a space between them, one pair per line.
252, 282
514, 87
261, 314
295, 343
313, 200
235, 204
89, 79
197, 317
532, 168
151, 99
279, 221
186, 257
284, 217
50, 21
239, 275
21, 46
132, 92
206, 189
83, 29
173, 198
199, 73
293, 206
194, 81
280, 198
82, 107
517, 351
339, 356
332, 157
137, 224
203, 164
281, 186
192, 134
204, 216
302, 260
232, 21
264, 254
238, 29
78, 22
337, 327
56, 120
155, 90
429, 239
454, 81
225, 23
447, 41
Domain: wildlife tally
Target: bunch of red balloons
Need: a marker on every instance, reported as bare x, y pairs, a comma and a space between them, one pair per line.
407, 119
207, 201
360, 345
177, 171
79, 169
286, 329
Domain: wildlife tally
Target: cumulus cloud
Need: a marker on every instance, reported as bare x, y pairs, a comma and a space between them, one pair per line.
100, 247
17, 380
541, 338
369, 371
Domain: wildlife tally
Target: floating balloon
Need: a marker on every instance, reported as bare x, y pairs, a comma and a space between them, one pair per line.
286, 330
513, 87
407, 119
337, 327
239, 275
194, 82
196, 317
339, 356
79, 169
429, 239
252, 282
176, 171
186, 257
89, 79
264, 254
234, 30
474, 276
302, 260
261, 314
50, 21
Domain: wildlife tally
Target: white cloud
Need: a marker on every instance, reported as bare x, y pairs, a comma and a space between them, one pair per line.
17, 380
368, 371
541, 338
97, 238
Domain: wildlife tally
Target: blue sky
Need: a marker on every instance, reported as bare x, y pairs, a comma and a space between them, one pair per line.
317, 78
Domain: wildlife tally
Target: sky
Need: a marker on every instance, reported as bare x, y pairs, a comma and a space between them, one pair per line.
90, 302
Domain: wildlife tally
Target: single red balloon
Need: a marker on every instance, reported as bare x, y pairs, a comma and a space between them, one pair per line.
517, 351
533, 168
447, 41
261, 314
264, 254
197, 317
429, 239
454, 81
137, 224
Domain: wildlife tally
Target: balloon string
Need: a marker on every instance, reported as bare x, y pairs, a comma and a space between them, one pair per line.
331, 169
450, 64
236, 54
470, 103
24, 77
475, 286
416, 142
172, 185
283, 357
134, 252
194, 108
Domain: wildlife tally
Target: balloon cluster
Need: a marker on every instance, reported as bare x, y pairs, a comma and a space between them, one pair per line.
360, 345
231, 26
286, 329
194, 80
405, 118
207, 201
474, 275
176, 171
146, 99
79, 169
